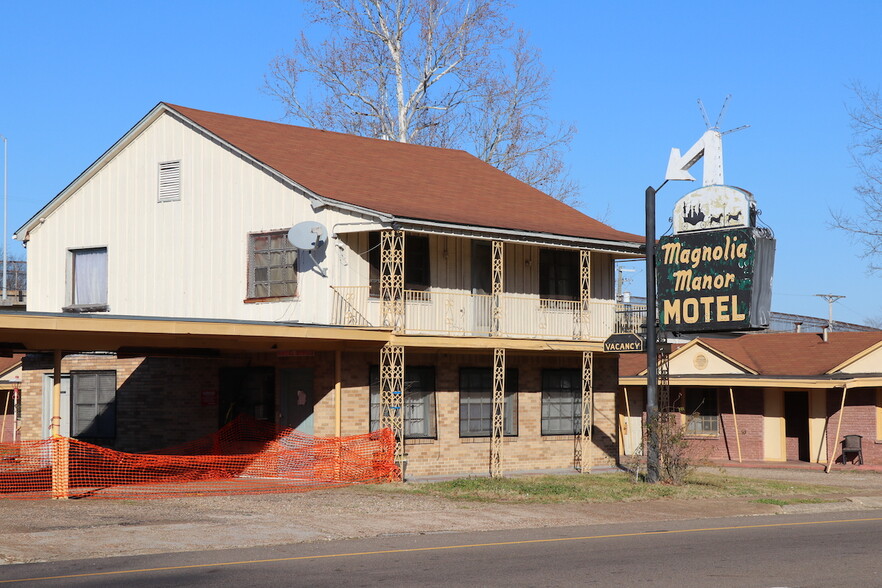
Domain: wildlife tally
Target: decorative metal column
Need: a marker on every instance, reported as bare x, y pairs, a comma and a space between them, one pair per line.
498, 284
392, 279
585, 430
392, 396
498, 413
584, 293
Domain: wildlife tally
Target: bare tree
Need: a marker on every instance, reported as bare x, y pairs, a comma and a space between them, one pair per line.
447, 73
866, 151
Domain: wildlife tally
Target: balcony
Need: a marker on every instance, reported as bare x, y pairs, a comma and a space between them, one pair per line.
462, 314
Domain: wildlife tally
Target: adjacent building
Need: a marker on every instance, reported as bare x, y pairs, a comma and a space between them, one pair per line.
772, 397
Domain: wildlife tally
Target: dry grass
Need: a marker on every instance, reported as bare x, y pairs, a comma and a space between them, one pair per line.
605, 488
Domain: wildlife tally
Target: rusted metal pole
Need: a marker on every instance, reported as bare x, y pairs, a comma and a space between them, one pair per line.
652, 456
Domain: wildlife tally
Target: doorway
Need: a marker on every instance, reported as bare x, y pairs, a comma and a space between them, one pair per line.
796, 426
482, 287
248, 391
296, 399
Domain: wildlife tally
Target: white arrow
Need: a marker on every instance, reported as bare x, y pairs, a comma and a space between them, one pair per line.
709, 146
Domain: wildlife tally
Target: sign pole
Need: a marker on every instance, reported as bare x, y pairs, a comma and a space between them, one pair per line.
652, 458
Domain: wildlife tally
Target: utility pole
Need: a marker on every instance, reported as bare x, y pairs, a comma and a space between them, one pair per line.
5, 189
830, 298
620, 283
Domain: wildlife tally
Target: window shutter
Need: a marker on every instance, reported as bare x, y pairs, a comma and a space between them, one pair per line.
169, 181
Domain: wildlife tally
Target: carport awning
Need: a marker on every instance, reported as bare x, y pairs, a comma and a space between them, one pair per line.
27, 331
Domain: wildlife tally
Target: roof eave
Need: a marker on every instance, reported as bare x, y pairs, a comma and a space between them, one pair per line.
625, 248
148, 119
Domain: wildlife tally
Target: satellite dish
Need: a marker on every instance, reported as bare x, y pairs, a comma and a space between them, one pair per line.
308, 235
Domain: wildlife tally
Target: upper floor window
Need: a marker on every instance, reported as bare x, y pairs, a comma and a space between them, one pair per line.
87, 280
416, 262
169, 181
272, 266
559, 274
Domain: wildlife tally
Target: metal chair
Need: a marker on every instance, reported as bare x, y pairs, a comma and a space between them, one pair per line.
851, 444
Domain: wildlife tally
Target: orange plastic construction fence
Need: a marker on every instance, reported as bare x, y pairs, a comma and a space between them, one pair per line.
244, 457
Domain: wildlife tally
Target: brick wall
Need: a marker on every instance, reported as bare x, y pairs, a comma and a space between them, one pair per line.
724, 445
858, 418
451, 454
162, 402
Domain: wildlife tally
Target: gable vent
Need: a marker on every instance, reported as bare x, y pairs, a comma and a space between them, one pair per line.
169, 181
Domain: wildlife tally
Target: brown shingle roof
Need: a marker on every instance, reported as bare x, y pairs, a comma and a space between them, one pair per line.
779, 354
410, 181
7, 363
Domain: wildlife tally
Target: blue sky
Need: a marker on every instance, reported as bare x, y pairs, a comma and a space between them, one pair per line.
74, 77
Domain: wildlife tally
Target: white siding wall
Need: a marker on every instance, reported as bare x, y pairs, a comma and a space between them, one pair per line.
189, 258
178, 259
450, 261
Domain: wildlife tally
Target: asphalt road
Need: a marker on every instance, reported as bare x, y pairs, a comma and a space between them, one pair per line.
822, 549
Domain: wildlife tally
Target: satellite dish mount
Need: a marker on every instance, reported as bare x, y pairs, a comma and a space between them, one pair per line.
310, 236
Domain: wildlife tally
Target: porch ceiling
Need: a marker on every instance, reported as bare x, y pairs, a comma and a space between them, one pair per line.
23, 331
852, 381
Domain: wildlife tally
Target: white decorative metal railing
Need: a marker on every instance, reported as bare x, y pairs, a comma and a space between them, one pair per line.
464, 314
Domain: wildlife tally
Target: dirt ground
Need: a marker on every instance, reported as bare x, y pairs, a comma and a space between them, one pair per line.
47, 530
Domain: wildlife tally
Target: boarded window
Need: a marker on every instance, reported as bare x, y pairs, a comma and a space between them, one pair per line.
702, 411
561, 401
272, 266
169, 181
476, 402
419, 401
94, 405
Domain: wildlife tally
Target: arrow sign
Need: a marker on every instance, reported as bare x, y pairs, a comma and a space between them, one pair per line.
710, 147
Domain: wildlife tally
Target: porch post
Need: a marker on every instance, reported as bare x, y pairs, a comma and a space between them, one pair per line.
338, 390
584, 292
498, 264
392, 396
498, 413
587, 424
55, 422
60, 445
628, 421
392, 279
735, 420
838, 427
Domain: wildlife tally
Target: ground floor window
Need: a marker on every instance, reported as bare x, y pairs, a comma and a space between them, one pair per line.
476, 402
702, 411
94, 405
419, 401
561, 401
